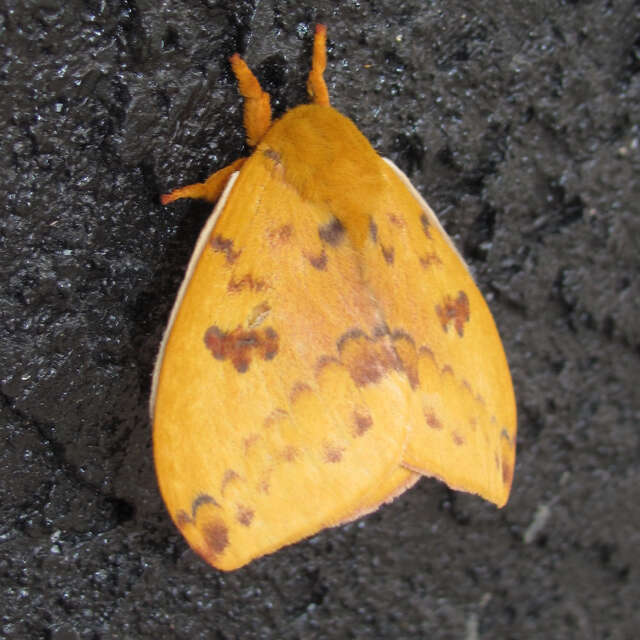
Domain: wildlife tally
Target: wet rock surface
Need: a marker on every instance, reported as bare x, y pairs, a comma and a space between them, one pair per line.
518, 123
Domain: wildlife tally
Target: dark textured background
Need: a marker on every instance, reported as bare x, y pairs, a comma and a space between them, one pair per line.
519, 122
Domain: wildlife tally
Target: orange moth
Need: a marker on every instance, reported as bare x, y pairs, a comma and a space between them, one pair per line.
328, 345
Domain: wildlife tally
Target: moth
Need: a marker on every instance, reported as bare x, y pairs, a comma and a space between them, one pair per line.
328, 345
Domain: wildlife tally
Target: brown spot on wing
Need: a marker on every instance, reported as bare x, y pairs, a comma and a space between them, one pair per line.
429, 259
229, 476
289, 453
183, 519
279, 236
277, 166
425, 351
297, 390
249, 441
324, 361
507, 473
270, 343
362, 422
366, 359
200, 500
381, 330
388, 253
426, 225
454, 311
332, 233
246, 282
318, 262
332, 453
405, 347
401, 334
372, 364
351, 334
225, 245
272, 154
373, 229
244, 515
396, 220
432, 419
216, 536
275, 416
504, 433
457, 438
240, 345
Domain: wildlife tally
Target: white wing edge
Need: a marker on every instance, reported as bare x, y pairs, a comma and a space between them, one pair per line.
428, 210
195, 256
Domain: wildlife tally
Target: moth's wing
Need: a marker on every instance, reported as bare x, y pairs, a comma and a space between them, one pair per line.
394, 485
464, 424
276, 411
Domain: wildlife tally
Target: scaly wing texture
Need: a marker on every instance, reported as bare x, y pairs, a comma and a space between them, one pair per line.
281, 408
329, 346
464, 425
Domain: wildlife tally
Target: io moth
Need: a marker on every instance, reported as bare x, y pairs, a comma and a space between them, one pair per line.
327, 347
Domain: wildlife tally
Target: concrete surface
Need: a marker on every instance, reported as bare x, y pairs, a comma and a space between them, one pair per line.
518, 121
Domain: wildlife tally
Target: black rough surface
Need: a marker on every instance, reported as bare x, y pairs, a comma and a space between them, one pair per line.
519, 121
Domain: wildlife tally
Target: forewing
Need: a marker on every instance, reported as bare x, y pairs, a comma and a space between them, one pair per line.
279, 406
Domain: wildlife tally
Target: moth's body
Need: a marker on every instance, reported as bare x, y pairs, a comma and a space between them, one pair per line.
327, 347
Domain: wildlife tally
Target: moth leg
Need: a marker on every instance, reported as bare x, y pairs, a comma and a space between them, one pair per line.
257, 105
316, 86
208, 190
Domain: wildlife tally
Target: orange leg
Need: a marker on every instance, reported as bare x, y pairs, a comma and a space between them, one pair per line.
208, 190
316, 86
